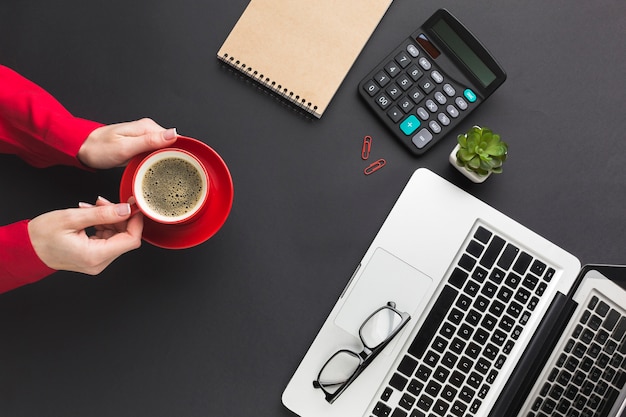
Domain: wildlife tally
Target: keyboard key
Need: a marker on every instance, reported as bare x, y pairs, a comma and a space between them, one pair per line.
381, 410
522, 263
415, 387
382, 78
620, 330
407, 401
398, 413
474, 248
407, 366
395, 114
371, 88
403, 59
425, 402
602, 308
422, 138
482, 235
398, 381
410, 125
508, 256
435, 317
611, 320
538, 268
392, 69
492, 252
415, 73
393, 91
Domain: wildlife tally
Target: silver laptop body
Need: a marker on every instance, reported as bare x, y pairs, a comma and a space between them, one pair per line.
476, 285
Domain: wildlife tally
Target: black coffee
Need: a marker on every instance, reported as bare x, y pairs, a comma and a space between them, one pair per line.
172, 187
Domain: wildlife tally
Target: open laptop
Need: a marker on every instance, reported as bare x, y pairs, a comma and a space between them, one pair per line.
502, 321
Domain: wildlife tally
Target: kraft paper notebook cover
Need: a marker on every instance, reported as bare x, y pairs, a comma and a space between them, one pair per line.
301, 49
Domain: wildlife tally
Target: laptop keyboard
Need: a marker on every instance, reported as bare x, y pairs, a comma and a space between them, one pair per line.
591, 370
468, 335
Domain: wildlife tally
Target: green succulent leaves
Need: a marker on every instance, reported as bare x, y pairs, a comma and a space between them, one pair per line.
481, 151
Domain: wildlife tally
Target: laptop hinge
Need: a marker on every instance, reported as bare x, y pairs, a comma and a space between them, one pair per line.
535, 357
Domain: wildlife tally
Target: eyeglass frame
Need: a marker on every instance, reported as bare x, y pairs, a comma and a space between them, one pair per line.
366, 356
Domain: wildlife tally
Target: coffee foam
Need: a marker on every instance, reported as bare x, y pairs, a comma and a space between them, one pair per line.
172, 187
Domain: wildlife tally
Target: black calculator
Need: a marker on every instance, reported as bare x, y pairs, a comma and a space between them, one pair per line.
431, 81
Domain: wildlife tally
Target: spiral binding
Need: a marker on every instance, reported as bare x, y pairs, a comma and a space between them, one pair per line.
272, 85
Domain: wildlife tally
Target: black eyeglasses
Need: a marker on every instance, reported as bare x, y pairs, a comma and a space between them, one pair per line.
345, 365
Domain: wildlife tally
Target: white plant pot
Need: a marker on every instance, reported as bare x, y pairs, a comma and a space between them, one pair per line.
474, 177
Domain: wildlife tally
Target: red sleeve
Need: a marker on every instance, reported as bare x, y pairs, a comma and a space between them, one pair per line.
35, 126
19, 264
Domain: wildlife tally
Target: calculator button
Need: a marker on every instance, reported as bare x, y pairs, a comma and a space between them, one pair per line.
404, 82
434, 126
406, 104
395, 114
431, 106
412, 50
437, 77
416, 95
371, 88
394, 91
445, 120
422, 113
441, 99
449, 90
415, 73
410, 125
469, 95
427, 85
382, 78
422, 138
452, 111
460, 103
424, 63
392, 69
403, 59
383, 101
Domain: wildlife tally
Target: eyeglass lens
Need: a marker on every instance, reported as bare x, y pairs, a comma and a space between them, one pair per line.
377, 329
338, 370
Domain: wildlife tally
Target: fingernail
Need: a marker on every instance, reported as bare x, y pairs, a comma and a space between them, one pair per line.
103, 199
84, 205
122, 209
170, 134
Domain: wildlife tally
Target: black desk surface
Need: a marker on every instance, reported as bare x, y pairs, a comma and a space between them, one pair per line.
217, 330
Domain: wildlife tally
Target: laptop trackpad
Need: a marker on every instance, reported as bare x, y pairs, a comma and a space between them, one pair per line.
385, 278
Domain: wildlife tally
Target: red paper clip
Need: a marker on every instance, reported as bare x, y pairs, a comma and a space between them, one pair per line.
375, 166
367, 147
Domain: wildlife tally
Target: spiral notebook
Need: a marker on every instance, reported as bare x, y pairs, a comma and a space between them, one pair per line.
300, 49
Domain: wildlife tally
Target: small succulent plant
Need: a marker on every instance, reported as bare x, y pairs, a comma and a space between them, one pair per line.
481, 151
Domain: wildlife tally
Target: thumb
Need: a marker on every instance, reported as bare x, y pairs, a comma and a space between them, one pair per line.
99, 215
153, 140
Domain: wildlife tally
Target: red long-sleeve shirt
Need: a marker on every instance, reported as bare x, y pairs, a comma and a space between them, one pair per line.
37, 128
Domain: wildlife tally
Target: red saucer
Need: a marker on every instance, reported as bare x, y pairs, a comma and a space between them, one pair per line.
213, 215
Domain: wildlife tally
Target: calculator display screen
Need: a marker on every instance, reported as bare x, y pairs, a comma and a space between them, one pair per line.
464, 52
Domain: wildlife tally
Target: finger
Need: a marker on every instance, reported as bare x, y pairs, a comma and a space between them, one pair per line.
101, 201
82, 218
151, 140
109, 248
134, 226
109, 229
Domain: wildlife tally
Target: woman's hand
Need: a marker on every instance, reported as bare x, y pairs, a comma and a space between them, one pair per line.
114, 145
61, 241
